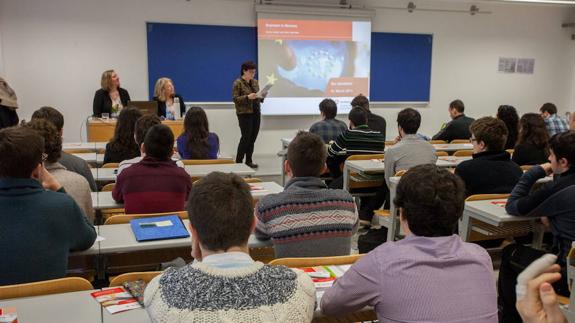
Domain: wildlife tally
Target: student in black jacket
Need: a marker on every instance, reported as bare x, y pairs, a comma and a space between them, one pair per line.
533, 143
111, 98
170, 105
491, 169
555, 201
374, 122
458, 127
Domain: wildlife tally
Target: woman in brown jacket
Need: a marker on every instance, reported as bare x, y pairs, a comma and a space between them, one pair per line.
247, 104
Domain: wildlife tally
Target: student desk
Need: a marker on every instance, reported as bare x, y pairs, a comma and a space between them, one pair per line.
57, 308
452, 147
109, 174
104, 200
91, 158
94, 145
493, 212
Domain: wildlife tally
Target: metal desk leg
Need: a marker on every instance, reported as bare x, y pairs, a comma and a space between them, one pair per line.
345, 177
538, 232
465, 226
391, 231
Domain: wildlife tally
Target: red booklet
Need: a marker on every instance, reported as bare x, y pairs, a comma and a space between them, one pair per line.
116, 300
8, 315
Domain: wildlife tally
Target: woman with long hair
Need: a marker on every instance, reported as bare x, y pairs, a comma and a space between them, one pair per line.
123, 146
110, 98
508, 115
533, 143
196, 141
170, 104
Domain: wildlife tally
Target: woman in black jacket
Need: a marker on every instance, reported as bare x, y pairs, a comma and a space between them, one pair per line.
533, 143
110, 98
170, 105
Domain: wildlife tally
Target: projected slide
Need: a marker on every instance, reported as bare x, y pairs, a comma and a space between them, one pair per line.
309, 60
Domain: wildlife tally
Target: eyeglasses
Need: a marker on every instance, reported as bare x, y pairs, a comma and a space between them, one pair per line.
44, 157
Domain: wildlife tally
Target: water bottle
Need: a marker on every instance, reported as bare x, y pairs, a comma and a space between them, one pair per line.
176, 106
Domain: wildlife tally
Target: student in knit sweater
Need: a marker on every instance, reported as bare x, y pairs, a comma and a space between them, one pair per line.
39, 223
224, 284
307, 219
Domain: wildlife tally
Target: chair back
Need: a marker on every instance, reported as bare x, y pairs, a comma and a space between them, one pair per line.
108, 187
125, 218
389, 143
111, 165
510, 151
526, 167
146, 276
460, 141
482, 197
316, 261
441, 153
46, 287
78, 150
252, 180
437, 142
366, 157
463, 153
207, 161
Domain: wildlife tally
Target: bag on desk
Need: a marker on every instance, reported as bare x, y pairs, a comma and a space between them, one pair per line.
136, 289
371, 240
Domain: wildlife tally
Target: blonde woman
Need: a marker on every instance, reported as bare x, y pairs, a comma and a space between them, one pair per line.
110, 98
168, 101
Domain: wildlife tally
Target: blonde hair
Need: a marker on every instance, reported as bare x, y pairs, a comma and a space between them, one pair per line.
159, 88
106, 81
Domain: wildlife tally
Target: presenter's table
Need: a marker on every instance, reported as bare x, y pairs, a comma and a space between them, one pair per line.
103, 130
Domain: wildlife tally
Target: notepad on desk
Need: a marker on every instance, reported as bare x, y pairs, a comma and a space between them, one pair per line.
158, 228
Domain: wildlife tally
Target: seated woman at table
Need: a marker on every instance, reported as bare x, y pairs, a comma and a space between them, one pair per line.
224, 284
197, 142
74, 184
123, 146
110, 98
171, 106
533, 143
421, 278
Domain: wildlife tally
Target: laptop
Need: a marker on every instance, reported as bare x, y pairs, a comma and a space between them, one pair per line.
146, 107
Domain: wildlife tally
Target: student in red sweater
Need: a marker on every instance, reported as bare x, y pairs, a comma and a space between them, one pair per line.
155, 184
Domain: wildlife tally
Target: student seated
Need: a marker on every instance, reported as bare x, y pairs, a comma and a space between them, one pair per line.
122, 145
197, 142
224, 284
508, 115
143, 124
72, 163
558, 209
155, 184
429, 276
307, 219
491, 169
74, 184
40, 223
359, 139
533, 143
458, 127
410, 150
374, 121
328, 128
555, 124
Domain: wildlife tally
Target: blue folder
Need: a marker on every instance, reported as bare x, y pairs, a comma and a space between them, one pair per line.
159, 228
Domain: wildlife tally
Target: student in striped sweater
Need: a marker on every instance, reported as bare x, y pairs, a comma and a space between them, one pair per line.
307, 219
360, 139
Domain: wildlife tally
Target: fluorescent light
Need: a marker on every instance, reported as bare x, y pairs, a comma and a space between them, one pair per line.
566, 2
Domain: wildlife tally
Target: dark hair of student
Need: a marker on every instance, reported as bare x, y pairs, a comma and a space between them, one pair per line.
220, 208
508, 115
159, 142
457, 105
533, 131
491, 131
246, 66
563, 146
50, 114
432, 200
123, 140
549, 108
358, 116
409, 120
329, 108
20, 152
143, 124
51, 135
306, 155
197, 129
360, 101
